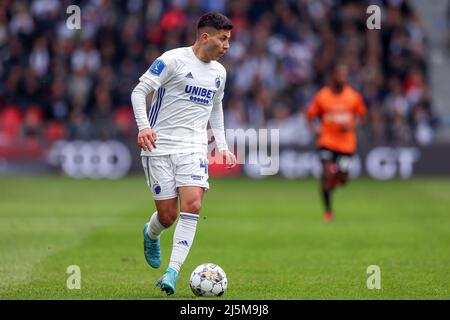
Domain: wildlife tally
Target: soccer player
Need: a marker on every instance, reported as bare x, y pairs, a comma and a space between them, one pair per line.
340, 110
188, 86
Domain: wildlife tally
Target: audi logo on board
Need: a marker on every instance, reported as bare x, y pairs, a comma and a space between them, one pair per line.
91, 159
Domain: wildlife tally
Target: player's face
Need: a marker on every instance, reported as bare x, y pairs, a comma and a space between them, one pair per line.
340, 74
218, 43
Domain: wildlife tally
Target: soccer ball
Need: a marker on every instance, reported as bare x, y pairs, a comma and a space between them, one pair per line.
208, 280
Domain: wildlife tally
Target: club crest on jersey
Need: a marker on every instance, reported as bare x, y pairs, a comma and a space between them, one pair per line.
217, 82
157, 67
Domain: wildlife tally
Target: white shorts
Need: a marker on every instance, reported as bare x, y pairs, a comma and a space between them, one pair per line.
165, 174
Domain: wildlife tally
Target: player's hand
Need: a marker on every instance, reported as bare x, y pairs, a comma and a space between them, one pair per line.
346, 127
317, 129
230, 158
146, 139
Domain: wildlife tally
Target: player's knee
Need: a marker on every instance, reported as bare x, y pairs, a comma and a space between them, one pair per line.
168, 217
327, 176
192, 206
343, 179
331, 169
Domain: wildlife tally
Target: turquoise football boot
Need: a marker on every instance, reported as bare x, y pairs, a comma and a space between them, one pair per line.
168, 281
152, 249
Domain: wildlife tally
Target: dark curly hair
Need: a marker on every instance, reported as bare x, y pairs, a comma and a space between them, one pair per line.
214, 20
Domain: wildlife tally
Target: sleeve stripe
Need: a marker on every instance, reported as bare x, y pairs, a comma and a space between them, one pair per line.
158, 107
152, 112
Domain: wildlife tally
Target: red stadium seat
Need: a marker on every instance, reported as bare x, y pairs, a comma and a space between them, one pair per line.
54, 131
10, 122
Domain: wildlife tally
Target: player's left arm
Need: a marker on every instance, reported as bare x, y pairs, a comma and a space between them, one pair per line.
217, 126
360, 115
360, 112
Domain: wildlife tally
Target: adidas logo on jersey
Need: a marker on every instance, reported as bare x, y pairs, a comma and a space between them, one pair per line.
189, 75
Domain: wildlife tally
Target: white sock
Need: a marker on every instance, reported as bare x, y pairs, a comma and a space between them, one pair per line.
182, 239
156, 228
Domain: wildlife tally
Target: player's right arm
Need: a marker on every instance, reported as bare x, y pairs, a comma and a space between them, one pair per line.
312, 113
159, 73
146, 138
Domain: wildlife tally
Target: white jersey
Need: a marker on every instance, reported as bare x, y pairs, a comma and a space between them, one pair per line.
186, 90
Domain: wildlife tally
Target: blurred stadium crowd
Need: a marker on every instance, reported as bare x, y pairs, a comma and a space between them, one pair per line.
58, 83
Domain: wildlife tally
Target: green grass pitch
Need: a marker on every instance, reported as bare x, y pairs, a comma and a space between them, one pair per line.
268, 235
